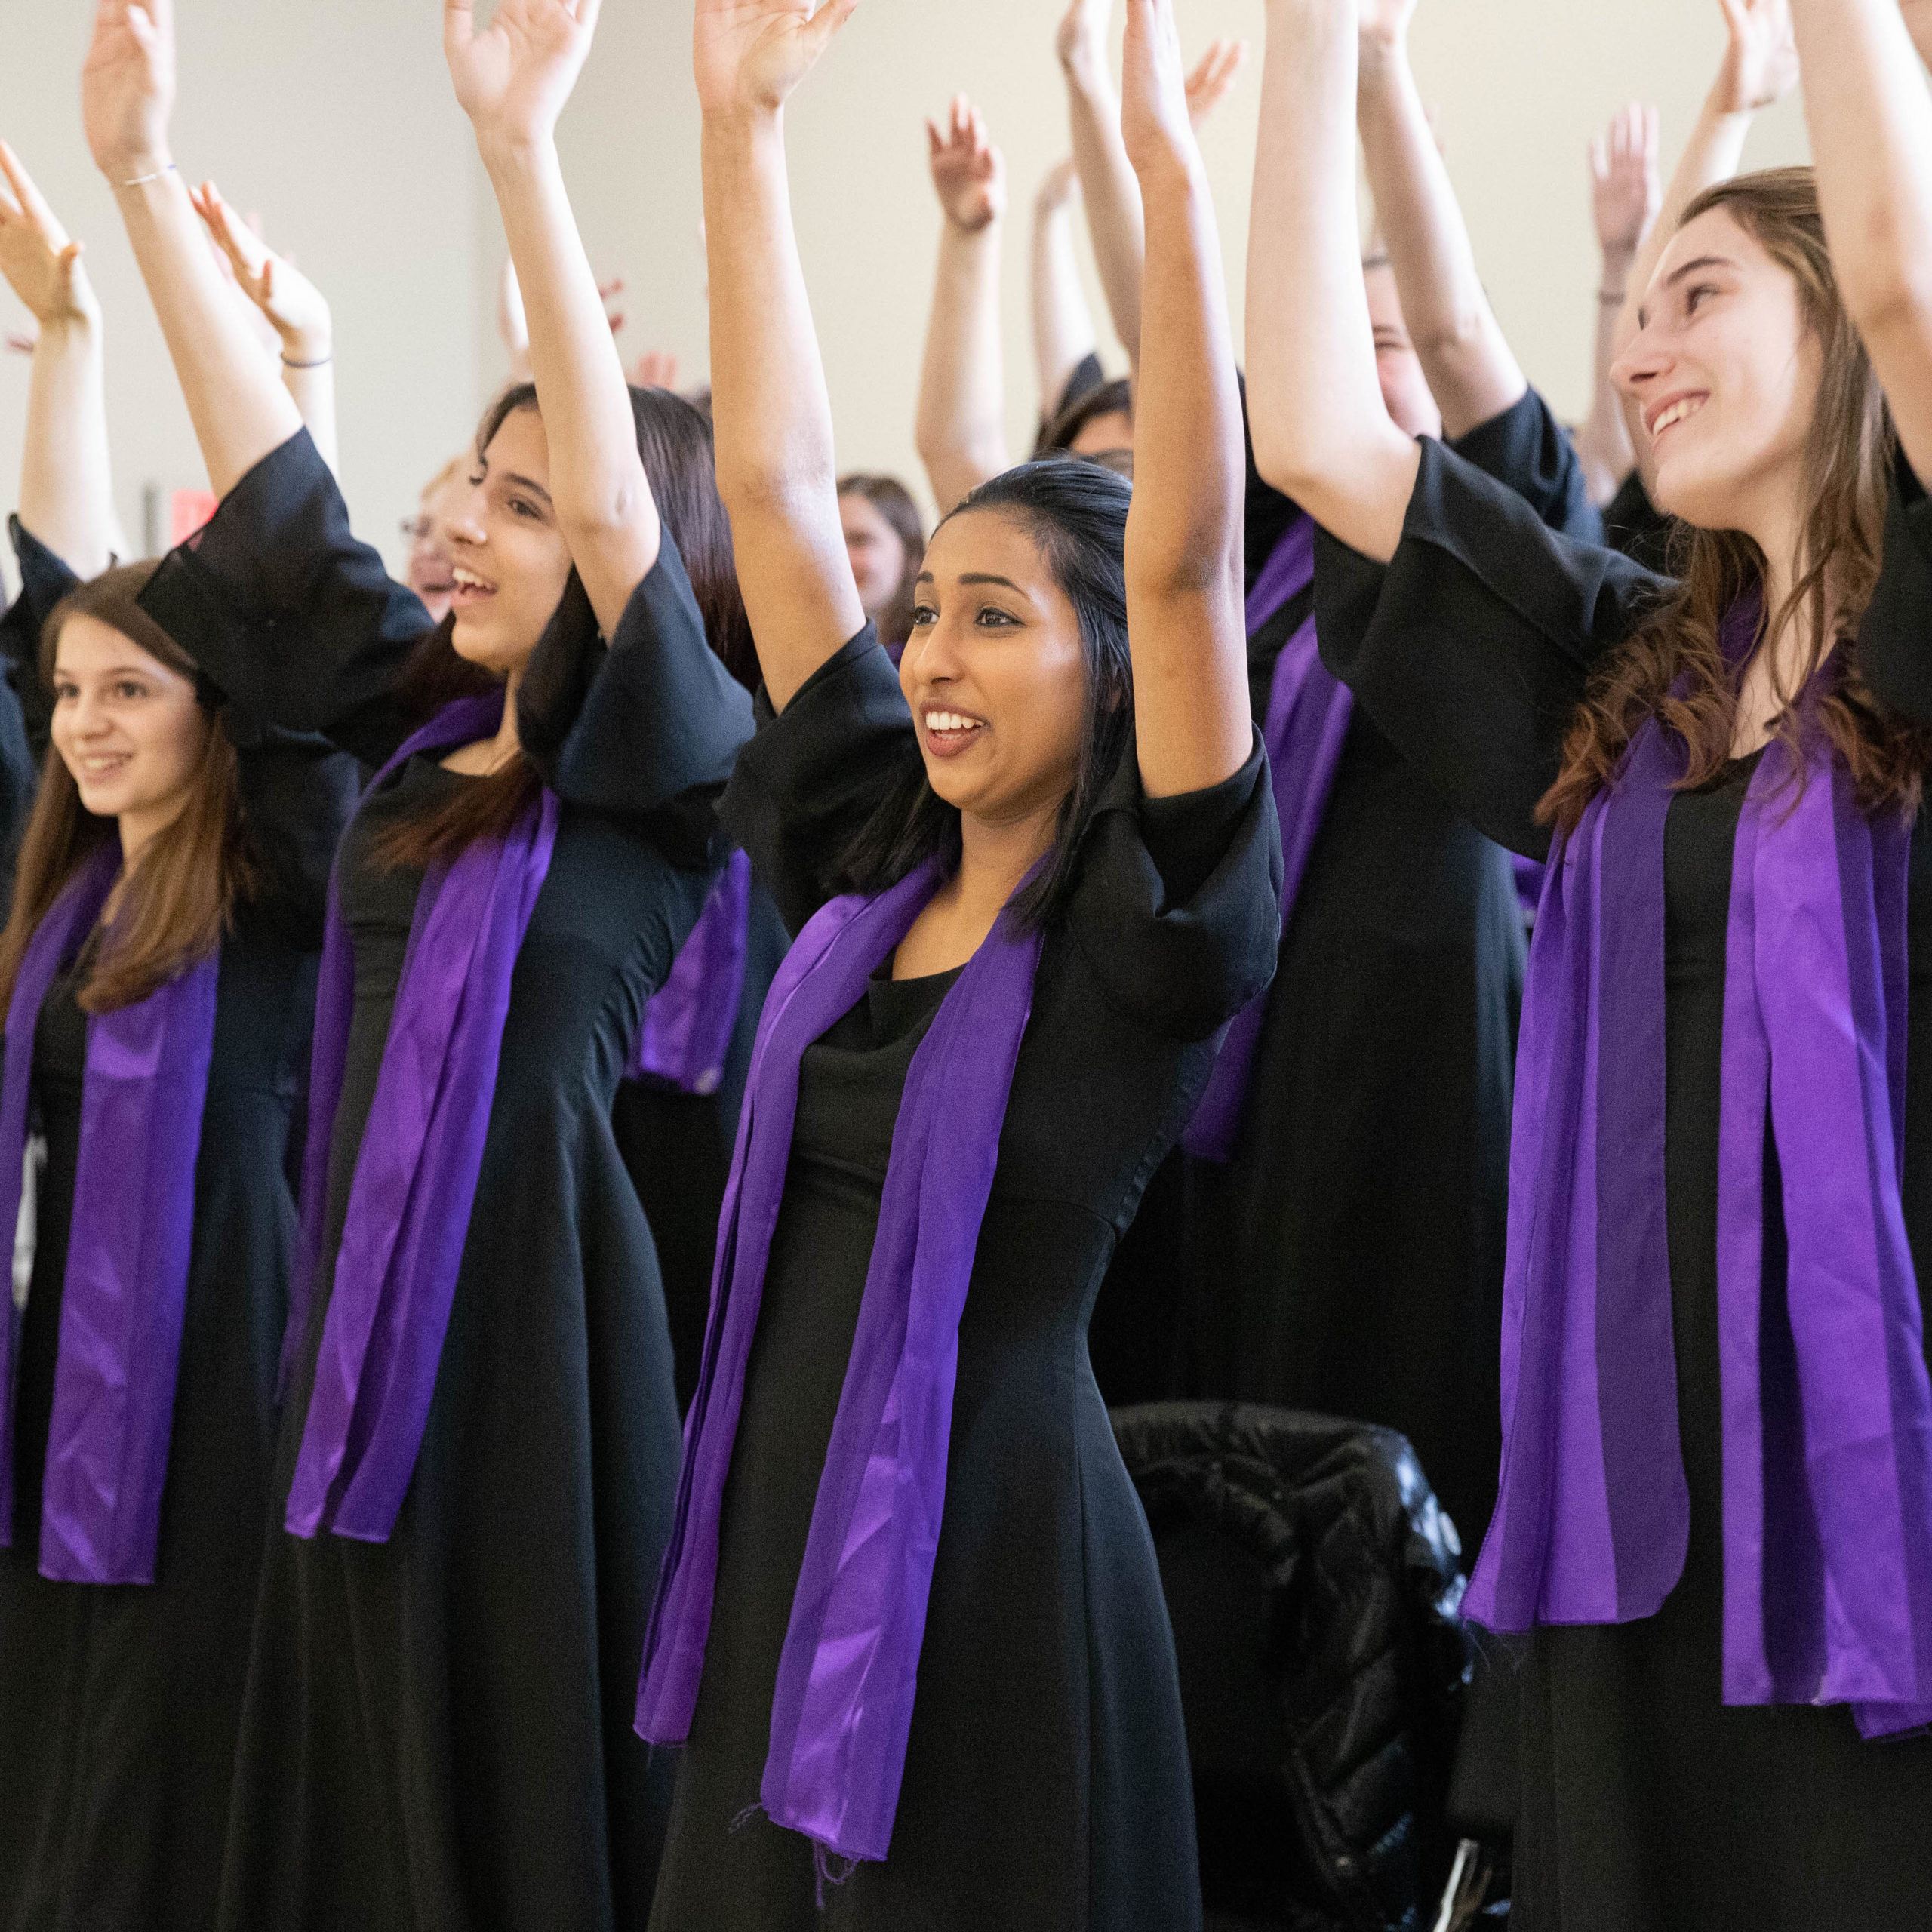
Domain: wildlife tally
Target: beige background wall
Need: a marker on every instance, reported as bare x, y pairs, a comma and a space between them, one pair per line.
335, 120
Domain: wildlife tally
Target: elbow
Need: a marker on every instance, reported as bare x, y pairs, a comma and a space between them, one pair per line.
1287, 463
1892, 304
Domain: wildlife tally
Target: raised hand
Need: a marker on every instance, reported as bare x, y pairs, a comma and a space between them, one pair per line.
1213, 79
513, 78
751, 54
1385, 22
1760, 63
1626, 189
1155, 122
128, 87
294, 307
41, 265
1082, 33
1059, 188
656, 369
969, 173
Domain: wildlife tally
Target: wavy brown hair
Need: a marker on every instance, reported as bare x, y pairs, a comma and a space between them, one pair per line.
680, 462
1847, 465
179, 902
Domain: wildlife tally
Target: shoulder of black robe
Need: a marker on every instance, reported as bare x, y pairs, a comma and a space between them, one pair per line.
288, 614
1895, 635
1526, 447
44, 579
1470, 648
647, 730
1176, 906
805, 786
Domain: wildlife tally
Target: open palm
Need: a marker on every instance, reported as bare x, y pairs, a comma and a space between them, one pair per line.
514, 77
1154, 116
969, 173
1760, 64
127, 86
752, 54
40, 266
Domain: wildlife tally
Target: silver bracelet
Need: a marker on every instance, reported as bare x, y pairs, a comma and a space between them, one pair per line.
142, 180
320, 362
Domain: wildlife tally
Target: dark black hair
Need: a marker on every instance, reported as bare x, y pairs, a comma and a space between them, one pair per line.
1076, 512
1114, 398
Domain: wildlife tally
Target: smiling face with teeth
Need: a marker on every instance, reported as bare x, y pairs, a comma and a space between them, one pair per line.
1724, 371
128, 727
995, 671
509, 561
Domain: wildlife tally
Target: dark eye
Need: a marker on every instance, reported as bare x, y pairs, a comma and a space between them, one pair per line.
66, 694
524, 508
476, 481
992, 618
924, 616
1696, 296
128, 688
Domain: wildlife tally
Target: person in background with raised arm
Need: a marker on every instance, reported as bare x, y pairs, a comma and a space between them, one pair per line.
292, 306
1758, 70
479, 1442
158, 973
885, 541
1066, 345
960, 429
1034, 872
1715, 1526
1625, 196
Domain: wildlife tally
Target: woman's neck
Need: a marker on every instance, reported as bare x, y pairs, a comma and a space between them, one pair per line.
996, 855
481, 756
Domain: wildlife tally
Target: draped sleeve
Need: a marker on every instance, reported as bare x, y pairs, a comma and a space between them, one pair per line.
1471, 647
1526, 447
293, 618
806, 785
647, 730
1895, 635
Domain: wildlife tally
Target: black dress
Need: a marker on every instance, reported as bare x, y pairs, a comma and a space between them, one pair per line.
25, 706
1348, 1259
119, 1704
437, 1729
1645, 1802
1046, 1776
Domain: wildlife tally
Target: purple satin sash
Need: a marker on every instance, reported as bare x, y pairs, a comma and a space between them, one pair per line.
1308, 712
848, 1672
1827, 1411
686, 1034
416, 1173
126, 1288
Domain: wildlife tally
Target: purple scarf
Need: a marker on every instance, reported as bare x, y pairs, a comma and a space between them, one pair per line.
415, 1184
849, 1669
132, 1236
1308, 712
1827, 1485
686, 1034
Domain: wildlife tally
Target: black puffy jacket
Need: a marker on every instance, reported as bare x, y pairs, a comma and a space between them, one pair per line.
1315, 1589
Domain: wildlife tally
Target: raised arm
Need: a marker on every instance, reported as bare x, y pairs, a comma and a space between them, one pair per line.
1625, 196
1760, 67
1107, 184
66, 483
1185, 579
1470, 367
512, 79
1870, 116
776, 471
1322, 435
235, 400
1063, 333
961, 427
292, 306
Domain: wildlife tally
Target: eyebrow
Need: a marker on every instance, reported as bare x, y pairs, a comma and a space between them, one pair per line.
975, 576
529, 483
1691, 268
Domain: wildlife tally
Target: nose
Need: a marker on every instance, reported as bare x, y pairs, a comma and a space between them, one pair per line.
1644, 362
466, 524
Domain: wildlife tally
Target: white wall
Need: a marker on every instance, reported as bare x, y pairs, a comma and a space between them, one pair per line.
336, 121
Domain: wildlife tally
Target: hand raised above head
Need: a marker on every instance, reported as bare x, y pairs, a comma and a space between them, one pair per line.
969, 173
40, 264
128, 87
1625, 192
1155, 124
1059, 187
1213, 79
1386, 23
1761, 62
750, 55
294, 305
513, 78
1082, 32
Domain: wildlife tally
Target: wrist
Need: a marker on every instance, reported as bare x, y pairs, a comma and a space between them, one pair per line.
750, 120
1084, 65
307, 347
513, 150
1618, 258
131, 173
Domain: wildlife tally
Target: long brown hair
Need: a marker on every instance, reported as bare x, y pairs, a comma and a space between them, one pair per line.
179, 902
680, 462
1847, 462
